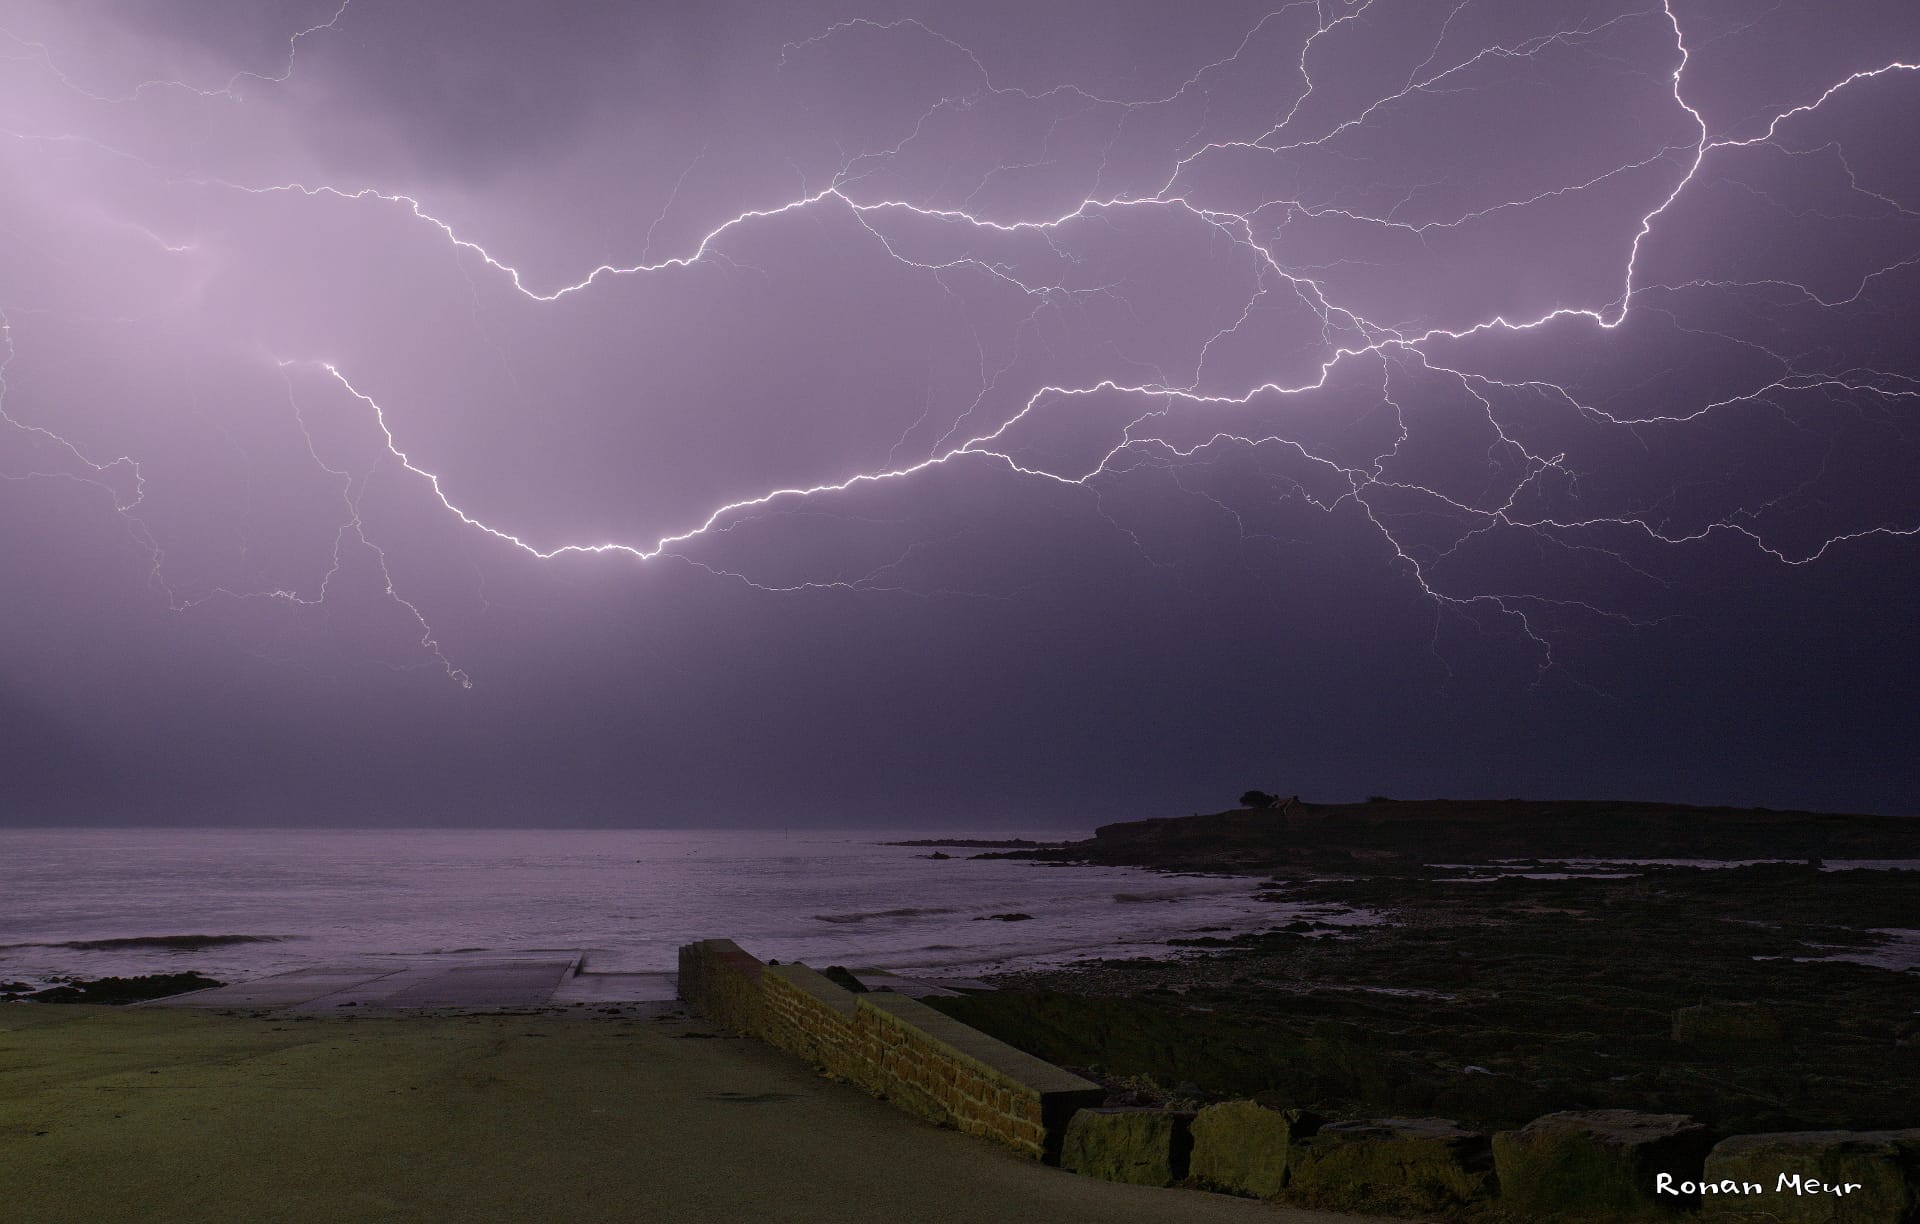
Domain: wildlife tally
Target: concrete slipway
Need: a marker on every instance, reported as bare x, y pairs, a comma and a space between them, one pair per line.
275, 1110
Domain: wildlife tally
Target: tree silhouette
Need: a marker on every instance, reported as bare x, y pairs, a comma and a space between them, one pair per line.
1258, 799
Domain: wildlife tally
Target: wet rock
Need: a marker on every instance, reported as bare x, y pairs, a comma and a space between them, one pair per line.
1563, 989
118, 990
1143, 1147
1241, 1146
1401, 1164
1815, 1177
1597, 1161
1713, 1024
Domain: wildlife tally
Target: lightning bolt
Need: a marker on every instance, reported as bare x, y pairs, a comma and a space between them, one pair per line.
1521, 477
230, 90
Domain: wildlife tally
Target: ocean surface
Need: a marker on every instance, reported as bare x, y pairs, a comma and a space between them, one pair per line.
237, 904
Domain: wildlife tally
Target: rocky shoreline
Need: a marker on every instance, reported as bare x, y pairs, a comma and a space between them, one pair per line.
1389, 836
1495, 998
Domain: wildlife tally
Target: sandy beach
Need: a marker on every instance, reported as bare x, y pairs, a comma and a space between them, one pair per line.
623, 1113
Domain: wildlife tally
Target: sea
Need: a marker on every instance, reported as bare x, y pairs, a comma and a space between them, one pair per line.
241, 904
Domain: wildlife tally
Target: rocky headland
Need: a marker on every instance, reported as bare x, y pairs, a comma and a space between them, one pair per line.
1389, 836
1500, 982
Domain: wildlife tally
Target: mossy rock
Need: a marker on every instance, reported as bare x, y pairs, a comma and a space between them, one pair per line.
1143, 1147
1597, 1163
1391, 1164
1241, 1146
1882, 1169
1739, 1024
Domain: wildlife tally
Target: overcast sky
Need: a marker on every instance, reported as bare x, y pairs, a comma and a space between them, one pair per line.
953, 414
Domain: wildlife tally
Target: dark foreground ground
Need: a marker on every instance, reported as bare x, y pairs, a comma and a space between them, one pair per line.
162, 1115
1674, 990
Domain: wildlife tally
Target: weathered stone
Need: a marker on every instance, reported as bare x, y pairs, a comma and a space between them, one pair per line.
1406, 1164
1241, 1146
984, 1066
809, 1014
1145, 1147
1863, 1177
1710, 1024
1597, 1161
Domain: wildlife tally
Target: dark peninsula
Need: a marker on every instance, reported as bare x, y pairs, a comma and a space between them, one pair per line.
1494, 961
1389, 835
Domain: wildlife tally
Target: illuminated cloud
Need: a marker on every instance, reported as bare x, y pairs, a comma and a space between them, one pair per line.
532, 414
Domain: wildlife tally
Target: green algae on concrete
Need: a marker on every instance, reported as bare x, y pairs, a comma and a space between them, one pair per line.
1815, 1177
1142, 1147
1598, 1163
1241, 1146
1397, 1164
174, 1116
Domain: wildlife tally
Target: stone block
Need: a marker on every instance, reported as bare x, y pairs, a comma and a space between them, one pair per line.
1404, 1164
1597, 1162
1815, 1177
1143, 1147
1241, 1146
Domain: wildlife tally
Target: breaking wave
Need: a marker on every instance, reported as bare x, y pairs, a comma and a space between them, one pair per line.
909, 912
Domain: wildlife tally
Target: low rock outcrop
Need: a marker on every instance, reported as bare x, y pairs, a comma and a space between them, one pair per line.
1722, 1024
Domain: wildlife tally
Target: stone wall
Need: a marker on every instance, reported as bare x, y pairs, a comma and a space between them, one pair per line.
895, 1047
813, 1016
940, 1068
722, 983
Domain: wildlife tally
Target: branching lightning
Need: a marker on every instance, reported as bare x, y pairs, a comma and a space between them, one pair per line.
1402, 353
230, 90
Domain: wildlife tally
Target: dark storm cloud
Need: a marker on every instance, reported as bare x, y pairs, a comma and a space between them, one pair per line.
1099, 333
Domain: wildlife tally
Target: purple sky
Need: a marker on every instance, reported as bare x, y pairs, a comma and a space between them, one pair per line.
964, 413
